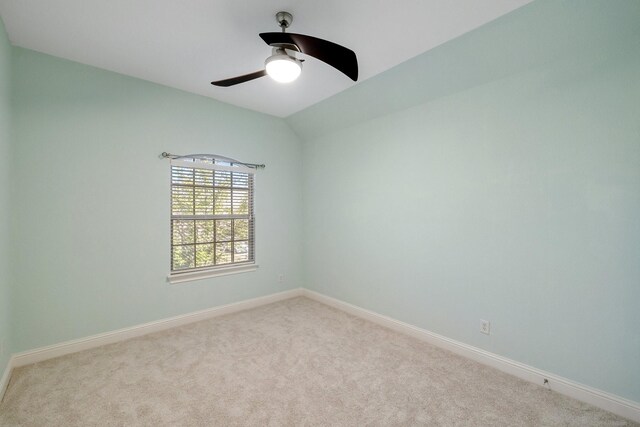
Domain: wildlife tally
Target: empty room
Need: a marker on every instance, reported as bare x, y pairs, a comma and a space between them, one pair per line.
305, 213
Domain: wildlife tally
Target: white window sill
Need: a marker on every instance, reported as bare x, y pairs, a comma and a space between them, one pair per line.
189, 276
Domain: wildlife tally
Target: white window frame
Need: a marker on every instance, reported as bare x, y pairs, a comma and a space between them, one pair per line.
197, 273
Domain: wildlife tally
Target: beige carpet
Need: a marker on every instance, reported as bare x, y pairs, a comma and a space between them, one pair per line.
293, 363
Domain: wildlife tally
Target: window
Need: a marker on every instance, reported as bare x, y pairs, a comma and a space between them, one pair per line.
212, 222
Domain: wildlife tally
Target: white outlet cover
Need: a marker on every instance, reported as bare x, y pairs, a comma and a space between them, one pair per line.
485, 326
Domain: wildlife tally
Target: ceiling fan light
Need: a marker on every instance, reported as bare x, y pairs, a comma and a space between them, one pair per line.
283, 68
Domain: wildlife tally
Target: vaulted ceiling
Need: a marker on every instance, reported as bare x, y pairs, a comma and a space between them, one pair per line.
188, 44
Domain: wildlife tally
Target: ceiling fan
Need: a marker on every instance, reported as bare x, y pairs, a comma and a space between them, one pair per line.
283, 65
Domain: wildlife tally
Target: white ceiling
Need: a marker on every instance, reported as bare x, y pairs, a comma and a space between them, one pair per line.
187, 44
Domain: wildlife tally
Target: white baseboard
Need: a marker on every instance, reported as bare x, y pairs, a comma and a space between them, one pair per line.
57, 350
6, 376
607, 401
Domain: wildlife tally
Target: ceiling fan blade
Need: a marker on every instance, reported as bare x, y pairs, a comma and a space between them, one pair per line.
240, 79
339, 57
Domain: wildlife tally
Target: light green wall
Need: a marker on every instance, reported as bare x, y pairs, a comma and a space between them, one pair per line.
5, 248
91, 205
540, 32
515, 201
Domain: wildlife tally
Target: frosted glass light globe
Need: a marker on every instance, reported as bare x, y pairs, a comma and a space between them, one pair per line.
282, 68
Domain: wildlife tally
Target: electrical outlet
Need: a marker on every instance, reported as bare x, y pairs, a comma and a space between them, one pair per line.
485, 326
281, 278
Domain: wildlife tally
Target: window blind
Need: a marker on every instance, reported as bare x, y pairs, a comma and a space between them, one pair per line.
212, 221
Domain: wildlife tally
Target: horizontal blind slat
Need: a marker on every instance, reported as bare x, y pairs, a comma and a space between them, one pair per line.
211, 166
